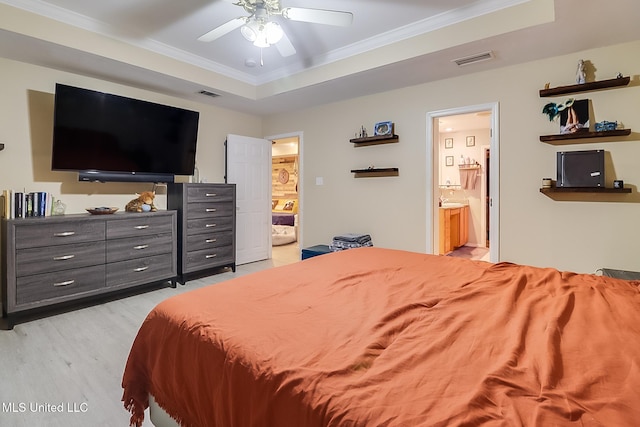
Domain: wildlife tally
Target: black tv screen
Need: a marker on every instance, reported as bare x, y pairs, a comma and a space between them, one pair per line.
108, 137
580, 169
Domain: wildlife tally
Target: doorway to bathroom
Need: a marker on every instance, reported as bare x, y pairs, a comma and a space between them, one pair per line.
463, 188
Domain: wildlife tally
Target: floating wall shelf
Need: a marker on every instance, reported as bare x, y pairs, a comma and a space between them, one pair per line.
369, 173
600, 190
554, 139
585, 87
374, 140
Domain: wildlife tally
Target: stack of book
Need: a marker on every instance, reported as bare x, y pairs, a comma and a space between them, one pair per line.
20, 204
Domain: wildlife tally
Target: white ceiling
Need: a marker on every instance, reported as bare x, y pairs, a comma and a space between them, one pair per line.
172, 27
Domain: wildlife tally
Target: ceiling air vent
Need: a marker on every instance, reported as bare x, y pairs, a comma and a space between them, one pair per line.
472, 59
207, 93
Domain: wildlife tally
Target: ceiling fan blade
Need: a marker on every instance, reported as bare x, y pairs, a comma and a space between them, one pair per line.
285, 47
318, 16
223, 29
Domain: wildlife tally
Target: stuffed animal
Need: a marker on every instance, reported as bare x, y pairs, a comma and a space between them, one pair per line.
143, 203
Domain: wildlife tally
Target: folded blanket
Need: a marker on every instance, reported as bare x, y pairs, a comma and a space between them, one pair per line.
353, 237
349, 241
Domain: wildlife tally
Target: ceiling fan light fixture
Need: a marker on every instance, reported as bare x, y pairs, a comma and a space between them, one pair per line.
273, 32
250, 30
262, 34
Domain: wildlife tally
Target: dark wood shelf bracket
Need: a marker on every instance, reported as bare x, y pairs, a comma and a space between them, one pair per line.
600, 190
585, 87
584, 134
370, 173
374, 140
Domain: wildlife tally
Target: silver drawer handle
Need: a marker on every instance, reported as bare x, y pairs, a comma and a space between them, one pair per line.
210, 210
63, 258
141, 227
211, 240
64, 234
139, 269
211, 195
210, 256
210, 225
67, 283
141, 247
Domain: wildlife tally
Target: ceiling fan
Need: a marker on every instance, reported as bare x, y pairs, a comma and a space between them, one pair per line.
263, 31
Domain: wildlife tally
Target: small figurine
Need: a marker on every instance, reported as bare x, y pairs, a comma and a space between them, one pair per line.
580, 74
546, 85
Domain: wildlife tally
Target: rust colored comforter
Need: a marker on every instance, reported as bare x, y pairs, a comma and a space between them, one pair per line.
376, 337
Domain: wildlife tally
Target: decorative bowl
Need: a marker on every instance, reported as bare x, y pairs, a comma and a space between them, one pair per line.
101, 210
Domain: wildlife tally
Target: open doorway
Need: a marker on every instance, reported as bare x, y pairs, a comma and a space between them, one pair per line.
285, 197
463, 155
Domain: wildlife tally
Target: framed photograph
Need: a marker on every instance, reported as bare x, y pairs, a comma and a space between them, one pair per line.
448, 143
448, 160
383, 128
575, 116
471, 141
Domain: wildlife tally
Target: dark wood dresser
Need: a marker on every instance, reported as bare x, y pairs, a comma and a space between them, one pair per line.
61, 259
206, 227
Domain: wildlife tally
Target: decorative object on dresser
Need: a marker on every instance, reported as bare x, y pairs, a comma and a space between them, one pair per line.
102, 210
67, 259
206, 226
142, 203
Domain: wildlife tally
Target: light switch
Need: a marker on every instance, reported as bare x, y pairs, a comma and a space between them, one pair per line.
319, 180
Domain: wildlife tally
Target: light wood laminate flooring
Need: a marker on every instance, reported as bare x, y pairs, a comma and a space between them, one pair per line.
66, 369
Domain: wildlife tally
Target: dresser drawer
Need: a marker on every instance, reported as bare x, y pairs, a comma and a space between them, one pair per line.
48, 288
210, 193
56, 258
140, 271
136, 247
209, 210
207, 225
208, 258
57, 233
196, 242
144, 225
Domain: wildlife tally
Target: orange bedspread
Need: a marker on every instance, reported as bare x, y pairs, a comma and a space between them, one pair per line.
376, 337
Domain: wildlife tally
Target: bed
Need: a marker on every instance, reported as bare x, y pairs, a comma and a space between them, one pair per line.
382, 337
284, 222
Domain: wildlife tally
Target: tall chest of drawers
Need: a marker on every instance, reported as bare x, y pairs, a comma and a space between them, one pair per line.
61, 259
206, 226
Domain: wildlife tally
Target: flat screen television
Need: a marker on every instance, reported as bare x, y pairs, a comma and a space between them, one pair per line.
107, 137
580, 169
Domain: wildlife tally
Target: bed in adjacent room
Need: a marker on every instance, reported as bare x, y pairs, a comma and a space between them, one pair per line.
380, 337
284, 222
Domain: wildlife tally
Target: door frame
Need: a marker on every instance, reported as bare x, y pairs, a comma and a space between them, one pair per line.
300, 135
433, 165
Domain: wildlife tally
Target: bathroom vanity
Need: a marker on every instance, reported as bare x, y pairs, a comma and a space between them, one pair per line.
454, 226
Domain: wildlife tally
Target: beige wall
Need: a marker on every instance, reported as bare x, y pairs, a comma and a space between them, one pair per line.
26, 124
576, 235
534, 229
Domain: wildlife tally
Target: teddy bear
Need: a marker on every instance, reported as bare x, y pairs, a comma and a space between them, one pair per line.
143, 203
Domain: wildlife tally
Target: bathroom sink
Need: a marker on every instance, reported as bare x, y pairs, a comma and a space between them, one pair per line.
452, 205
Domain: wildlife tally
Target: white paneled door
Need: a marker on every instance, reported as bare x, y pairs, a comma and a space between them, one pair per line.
249, 167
